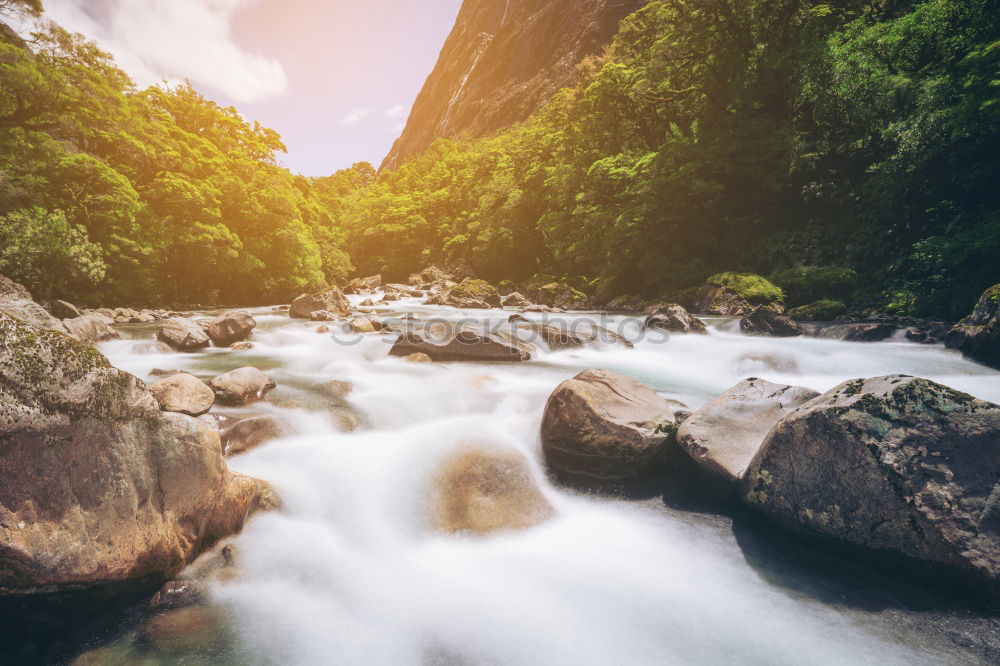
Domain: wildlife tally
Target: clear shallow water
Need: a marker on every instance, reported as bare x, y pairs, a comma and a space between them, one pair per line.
349, 571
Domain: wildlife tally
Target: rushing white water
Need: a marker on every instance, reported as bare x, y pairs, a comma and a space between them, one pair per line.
349, 571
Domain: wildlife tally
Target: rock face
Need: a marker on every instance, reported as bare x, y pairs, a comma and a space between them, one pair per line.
604, 426
332, 300
723, 436
445, 342
100, 487
184, 394
895, 464
182, 334
767, 321
231, 327
242, 386
674, 319
503, 60
978, 335
483, 490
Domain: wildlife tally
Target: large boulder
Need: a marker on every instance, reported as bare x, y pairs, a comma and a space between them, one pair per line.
184, 394
99, 487
242, 386
978, 335
674, 319
16, 301
560, 335
894, 464
468, 294
364, 285
723, 436
737, 294
515, 300
769, 322
231, 327
332, 300
871, 332
182, 334
90, 329
603, 426
444, 341
480, 489
432, 276
557, 295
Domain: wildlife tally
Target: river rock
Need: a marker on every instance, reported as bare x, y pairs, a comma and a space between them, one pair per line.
231, 327
323, 315
557, 295
515, 300
332, 300
626, 303
562, 336
482, 490
893, 464
90, 329
184, 394
448, 342
723, 436
182, 334
242, 386
768, 322
419, 358
16, 301
723, 301
100, 487
469, 294
402, 290
249, 433
366, 325
869, 332
365, 285
65, 310
674, 319
978, 335
430, 276
604, 426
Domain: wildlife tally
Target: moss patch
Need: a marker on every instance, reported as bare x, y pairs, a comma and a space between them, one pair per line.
822, 310
752, 288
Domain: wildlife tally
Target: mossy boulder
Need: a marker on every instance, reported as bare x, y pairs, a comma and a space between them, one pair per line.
99, 487
737, 294
482, 291
896, 464
556, 295
822, 310
978, 335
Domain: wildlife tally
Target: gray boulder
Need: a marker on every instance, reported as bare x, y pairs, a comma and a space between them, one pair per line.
16, 301
65, 310
978, 335
894, 464
242, 386
769, 322
723, 436
90, 329
603, 426
182, 334
184, 394
231, 327
332, 300
447, 342
674, 319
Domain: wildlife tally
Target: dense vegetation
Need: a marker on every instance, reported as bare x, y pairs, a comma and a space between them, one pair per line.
845, 149
115, 195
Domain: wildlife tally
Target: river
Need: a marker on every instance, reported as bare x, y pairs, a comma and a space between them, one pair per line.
350, 572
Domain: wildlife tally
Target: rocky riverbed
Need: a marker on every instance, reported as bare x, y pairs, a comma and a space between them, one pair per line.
426, 516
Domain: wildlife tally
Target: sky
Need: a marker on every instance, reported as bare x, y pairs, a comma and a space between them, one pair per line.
336, 78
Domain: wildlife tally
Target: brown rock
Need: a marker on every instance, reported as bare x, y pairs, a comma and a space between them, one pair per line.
447, 342
674, 319
249, 433
90, 329
482, 490
515, 300
605, 426
769, 322
184, 394
65, 310
419, 358
231, 327
332, 300
241, 387
182, 334
978, 335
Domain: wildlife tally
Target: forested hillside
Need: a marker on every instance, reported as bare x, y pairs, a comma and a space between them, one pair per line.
848, 148
110, 194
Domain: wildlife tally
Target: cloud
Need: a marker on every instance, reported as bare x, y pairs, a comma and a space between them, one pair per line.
355, 116
398, 111
175, 40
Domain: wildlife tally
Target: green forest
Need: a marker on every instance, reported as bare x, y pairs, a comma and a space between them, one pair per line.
847, 150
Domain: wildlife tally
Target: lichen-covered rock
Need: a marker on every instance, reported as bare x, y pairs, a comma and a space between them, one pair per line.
447, 342
895, 464
242, 386
99, 487
332, 300
822, 310
674, 319
183, 334
978, 335
231, 327
737, 294
184, 394
604, 426
481, 489
768, 322
90, 329
723, 436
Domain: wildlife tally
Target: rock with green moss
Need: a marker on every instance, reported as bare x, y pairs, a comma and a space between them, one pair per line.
898, 465
605, 427
822, 310
99, 487
737, 294
978, 335
557, 295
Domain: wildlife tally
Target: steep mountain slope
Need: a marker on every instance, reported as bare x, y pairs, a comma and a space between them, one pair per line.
501, 62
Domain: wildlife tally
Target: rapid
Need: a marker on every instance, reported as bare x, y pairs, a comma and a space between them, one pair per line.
350, 571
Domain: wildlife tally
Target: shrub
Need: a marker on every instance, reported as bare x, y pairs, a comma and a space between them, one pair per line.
806, 284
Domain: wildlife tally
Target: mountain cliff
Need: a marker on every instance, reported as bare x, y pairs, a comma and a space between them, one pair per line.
501, 62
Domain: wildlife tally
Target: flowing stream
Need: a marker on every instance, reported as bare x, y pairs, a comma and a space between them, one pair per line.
349, 571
